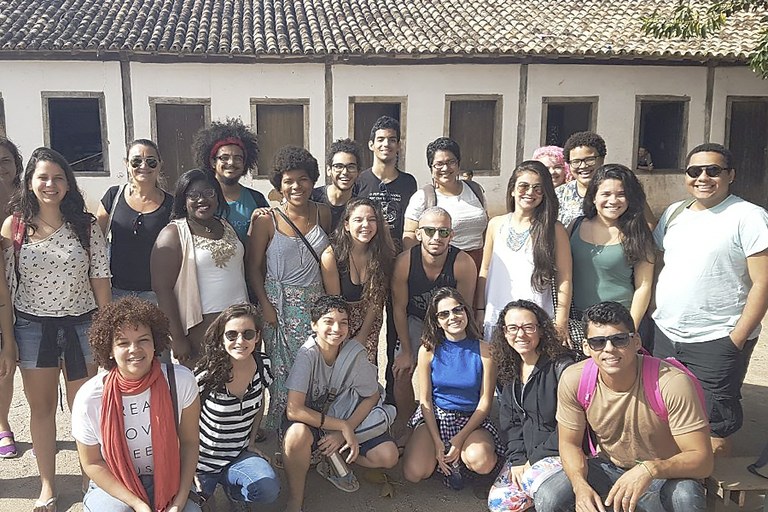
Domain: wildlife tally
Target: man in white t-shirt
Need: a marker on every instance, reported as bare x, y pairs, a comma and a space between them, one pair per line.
712, 292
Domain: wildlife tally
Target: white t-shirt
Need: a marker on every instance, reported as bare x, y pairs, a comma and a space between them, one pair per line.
703, 286
86, 415
468, 216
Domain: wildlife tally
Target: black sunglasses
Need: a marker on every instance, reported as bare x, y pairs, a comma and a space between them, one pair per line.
713, 170
619, 340
136, 162
248, 334
207, 193
430, 231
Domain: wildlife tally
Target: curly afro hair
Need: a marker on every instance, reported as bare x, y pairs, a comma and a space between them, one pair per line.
206, 139
588, 139
292, 158
128, 311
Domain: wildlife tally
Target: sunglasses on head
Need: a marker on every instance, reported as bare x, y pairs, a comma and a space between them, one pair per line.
620, 340
713, 170
247, 334
430, 231
457, 310
136, 162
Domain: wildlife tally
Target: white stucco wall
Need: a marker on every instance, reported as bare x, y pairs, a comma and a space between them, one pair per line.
21, 86
740, 81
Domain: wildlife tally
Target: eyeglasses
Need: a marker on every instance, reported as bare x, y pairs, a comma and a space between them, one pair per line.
590, 160
457, 311
225, 159
536, 189
247, 334
208, 193
713, 170
620, 340
137, 223
339, 167
448, 163
513, 329
441, 232
136, 162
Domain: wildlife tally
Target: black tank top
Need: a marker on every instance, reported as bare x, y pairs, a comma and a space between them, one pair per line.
420, 288
350, 291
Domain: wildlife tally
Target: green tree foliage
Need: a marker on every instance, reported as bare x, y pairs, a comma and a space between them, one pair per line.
698, 19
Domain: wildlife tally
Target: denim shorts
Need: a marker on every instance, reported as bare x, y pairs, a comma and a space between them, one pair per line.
29, 336
148, 295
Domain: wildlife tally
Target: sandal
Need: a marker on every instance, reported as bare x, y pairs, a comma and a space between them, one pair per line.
343, 483
46, 505
260, 436
8, 451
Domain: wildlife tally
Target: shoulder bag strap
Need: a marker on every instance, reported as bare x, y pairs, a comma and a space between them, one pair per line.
300, 234
430, 195
682, 206
120, 192
475, 188
651, 388
19, 234
174, 397
584, 394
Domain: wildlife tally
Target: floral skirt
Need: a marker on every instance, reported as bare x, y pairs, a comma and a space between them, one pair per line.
357, 312
506, 496
293, 304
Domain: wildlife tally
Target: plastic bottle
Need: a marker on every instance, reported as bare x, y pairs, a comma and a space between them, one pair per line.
455, 480
338, 463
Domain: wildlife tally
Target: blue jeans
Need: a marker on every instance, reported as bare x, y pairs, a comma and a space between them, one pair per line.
98, 500
247, 478
679, 495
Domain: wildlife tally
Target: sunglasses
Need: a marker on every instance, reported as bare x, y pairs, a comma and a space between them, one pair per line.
523, 188
136, 162
620, 340
457, 311
208, 193
713, 170
513, 329
442, 232
247, 334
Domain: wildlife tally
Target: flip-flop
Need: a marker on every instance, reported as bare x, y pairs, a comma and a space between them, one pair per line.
260, 436
9, 450
343, 483
46, 504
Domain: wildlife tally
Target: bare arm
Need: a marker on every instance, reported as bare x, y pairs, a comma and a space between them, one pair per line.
96, 468
189, 449
404, 361
564, 282
643, 272
409, 233
465, 272
102, 290
262, 232
102, 218
484, 266
575, 467
165, 265
9, 351
330, 272
757, 299
427, 406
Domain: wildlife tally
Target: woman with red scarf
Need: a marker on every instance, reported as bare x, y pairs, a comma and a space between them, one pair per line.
136, 459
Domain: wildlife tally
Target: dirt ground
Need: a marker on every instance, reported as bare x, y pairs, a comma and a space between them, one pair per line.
19, 484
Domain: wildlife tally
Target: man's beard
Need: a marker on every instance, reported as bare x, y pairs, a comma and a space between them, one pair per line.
229, 181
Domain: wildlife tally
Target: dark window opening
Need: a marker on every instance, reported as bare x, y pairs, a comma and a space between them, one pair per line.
565, 119
662, 132
366, 115
473, 125
75, 130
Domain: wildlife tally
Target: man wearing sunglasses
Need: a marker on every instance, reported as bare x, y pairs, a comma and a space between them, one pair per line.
644, 462
712, 292
342, 170
418, 272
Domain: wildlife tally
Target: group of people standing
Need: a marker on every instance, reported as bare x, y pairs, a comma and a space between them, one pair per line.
474, 305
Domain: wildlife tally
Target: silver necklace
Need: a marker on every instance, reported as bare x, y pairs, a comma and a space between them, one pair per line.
515, 240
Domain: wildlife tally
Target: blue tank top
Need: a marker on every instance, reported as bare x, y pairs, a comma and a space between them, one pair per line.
457, 375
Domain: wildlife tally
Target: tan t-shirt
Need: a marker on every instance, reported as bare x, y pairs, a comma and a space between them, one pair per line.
626, 428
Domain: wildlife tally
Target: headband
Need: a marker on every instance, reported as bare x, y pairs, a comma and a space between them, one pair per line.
229, 141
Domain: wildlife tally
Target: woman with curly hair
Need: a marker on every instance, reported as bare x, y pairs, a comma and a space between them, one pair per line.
131, 216
358, 266
612, 246
57, 257
232, 376
284, 265
229, 150
197, 263
552, 157
530, 358
11, 167
526, 254
451, 428
136, 422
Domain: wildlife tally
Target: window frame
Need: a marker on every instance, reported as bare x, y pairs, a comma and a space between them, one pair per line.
498, 120
661, 98
3, 124
565, 100
254, 104
101, 97
402, 100
176, 100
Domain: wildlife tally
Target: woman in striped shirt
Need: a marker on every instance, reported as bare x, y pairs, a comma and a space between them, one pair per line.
232, 376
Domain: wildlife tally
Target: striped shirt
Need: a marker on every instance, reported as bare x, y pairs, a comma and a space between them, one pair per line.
226, 420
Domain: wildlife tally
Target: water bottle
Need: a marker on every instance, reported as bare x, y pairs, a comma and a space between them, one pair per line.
339, 465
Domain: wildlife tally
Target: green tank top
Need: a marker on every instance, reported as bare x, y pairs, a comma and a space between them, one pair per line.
600, 273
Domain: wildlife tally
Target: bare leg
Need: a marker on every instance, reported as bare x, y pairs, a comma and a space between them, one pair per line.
72, 388
722, 446
478, 452
405, 403
382, 456
6, 396
419, 459
297, 450
40, 385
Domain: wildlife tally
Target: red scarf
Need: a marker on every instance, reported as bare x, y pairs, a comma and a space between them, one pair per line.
165, 442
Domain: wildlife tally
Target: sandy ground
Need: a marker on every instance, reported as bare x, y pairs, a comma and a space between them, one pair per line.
19, 484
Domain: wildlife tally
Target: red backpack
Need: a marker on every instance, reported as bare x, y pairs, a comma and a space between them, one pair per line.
650, 373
